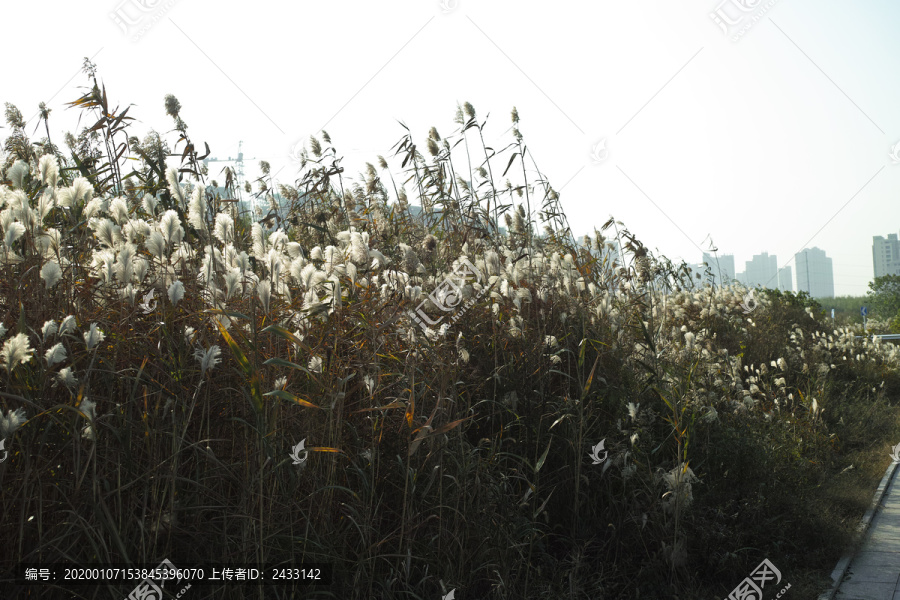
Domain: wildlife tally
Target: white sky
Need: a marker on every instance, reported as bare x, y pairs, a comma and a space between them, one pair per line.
775, 142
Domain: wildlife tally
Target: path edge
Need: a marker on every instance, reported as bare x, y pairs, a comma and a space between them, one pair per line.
837, 575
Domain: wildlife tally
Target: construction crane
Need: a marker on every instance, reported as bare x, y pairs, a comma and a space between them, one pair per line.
238, 168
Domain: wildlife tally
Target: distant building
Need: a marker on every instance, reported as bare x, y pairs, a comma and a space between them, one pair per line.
722, 268
886, 255
761, 270
815, 274
785, 280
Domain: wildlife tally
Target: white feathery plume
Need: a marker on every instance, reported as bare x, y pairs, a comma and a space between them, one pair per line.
16, 350
359, 252
174, 187
66, 377
378, 259
68, 325
331, 259
93, 337
225, 228
103, 264
196, 209
48, 242
156, 244
48, 330
230, 255
93, 208
149, 203
176, 292
242, 262
274, 264
51, 273
70, 196
170, 227
12, 421
13, 232
128, 293
277, 240
259, 245
45, 204
107, 232
17, 172
335, 294
55, 354
141, 266
294, 250
315, 364
264, 289
125, 263
89, 408
296, 268
232, 278
119, 210
49, 168
306, 275
208, 358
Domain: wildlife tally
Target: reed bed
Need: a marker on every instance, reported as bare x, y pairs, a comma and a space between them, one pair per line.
592, 424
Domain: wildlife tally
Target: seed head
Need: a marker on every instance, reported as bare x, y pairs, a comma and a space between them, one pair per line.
173, 106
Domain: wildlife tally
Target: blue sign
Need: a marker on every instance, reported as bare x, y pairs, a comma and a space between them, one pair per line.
864, 311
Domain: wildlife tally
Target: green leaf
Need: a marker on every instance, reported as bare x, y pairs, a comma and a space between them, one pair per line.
280, 362
235, 315
590, 380
557, 422
283, 333
511, 159
292, 398
540, 462
244, 362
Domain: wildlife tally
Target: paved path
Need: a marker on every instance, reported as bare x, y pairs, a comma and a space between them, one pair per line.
874, 571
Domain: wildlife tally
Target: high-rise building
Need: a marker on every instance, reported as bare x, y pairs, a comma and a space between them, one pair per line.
722, 267
761, 270
815, 274
886, 255
785, 281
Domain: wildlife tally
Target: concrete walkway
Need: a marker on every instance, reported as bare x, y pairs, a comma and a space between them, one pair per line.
873, 572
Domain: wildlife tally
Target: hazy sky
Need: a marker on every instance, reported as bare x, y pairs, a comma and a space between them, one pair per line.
774, 142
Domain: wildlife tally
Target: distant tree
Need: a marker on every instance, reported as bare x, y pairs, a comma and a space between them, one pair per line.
884, 296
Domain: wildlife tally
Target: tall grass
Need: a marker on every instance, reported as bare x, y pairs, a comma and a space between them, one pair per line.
456, 458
